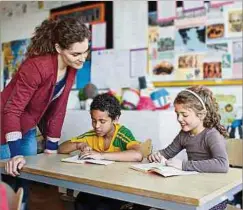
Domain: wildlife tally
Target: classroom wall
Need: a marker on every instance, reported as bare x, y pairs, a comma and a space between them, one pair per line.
23, 26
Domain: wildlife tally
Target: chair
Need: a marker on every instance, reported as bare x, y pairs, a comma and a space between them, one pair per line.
229, 207
235, 152
146, 148
19, 198
14, 199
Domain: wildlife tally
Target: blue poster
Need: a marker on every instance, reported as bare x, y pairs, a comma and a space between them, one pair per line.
83, 75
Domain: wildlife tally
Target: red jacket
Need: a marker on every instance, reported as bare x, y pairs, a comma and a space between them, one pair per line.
26, 101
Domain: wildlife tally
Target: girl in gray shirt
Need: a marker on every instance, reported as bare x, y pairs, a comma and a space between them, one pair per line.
201, 134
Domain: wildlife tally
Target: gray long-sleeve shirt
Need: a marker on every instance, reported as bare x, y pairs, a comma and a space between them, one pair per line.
206, 151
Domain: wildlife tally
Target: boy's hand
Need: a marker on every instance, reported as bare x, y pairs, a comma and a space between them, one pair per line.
91, 155
84, 147
157, 158
13, 166
87, 149
176, 163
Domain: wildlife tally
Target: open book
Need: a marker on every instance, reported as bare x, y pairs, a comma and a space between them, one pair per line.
161, 169
75, 159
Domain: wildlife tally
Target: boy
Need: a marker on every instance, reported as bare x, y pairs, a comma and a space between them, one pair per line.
108, 140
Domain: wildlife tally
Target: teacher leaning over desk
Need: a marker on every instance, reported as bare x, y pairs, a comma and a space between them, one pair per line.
38, 93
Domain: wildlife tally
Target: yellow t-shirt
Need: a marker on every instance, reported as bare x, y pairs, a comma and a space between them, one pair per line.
122, 140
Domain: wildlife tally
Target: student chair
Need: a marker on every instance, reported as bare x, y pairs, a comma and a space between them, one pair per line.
14, 199
146, 148
235, 152
229, 207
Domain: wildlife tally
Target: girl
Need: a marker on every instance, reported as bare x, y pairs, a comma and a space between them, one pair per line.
201, 134
201, 131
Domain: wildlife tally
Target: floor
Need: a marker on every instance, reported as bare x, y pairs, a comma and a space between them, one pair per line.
45, 197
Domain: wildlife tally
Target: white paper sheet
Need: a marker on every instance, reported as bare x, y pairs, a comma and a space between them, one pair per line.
130, 24
166, 10
111, 69
98, 36
138, 62
190, 5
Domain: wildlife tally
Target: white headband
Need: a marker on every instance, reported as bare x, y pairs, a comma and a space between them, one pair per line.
198, 97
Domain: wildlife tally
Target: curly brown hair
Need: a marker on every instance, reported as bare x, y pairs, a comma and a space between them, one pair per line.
107, 103
212, 118
65, 32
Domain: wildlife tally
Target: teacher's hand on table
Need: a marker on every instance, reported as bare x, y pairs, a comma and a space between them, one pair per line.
15, 164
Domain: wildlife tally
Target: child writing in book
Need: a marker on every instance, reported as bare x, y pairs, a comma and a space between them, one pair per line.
107, 141
201, 135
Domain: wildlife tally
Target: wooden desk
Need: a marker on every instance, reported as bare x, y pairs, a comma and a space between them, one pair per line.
201, 191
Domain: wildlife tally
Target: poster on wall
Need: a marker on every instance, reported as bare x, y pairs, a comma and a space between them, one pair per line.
227, 108
190, 39
161, 53
190, 18
14, 54
162, 66
237, 58
189, 66
234, 22
218, 62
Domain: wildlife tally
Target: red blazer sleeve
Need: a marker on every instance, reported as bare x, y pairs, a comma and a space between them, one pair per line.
28, 79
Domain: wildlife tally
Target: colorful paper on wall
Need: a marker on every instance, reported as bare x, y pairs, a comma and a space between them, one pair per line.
218, 62
190, 39
189, 67
83, 75
237, 58
234, 22
14, 54
166, 10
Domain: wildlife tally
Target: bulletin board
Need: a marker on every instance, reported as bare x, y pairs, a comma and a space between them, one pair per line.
200, 46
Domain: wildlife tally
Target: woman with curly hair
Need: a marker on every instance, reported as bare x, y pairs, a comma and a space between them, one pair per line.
38, 93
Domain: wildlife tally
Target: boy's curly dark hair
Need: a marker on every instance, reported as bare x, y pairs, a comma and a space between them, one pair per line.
107, 103
213, 117
63, 31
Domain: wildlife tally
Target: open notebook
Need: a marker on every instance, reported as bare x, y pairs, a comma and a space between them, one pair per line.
161, 169
75, 159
